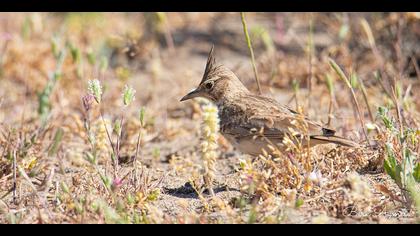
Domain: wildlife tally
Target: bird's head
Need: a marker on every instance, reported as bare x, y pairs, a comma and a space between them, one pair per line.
218, 82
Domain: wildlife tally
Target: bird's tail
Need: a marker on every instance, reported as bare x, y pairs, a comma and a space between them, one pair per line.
320, 139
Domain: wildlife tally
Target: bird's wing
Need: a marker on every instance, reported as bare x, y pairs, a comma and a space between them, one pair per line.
266, 118
276, 119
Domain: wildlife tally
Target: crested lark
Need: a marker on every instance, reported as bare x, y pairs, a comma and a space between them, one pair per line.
251, 122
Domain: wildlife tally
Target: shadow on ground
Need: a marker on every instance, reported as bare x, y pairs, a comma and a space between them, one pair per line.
187, 191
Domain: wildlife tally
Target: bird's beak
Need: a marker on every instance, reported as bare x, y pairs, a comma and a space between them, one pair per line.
192, 94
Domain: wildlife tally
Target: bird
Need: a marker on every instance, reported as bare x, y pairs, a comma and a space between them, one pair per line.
253, 123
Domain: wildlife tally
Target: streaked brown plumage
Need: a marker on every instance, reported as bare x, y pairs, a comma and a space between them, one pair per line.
251, 122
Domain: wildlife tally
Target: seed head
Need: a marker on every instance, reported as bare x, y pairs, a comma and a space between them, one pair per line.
87, 101
128, 95
209, 129
141, 116
95, 88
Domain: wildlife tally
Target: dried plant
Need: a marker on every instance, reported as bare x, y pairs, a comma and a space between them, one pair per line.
209, 132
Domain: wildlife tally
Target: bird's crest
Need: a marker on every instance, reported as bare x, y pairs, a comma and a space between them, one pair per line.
210, 65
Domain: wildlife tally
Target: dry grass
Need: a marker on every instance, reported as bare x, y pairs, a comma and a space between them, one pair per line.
66, 158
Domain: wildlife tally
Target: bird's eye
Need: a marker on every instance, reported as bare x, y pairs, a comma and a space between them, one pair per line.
209, 85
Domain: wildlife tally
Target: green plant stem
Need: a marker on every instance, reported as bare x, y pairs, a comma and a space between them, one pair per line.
248, 41
112, 144
330, 107
342, 76
137, 145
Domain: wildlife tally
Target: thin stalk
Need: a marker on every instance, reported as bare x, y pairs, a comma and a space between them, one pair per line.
139, 137
330, 86
381, 83
291, 99
138, 146
310, 52
341, 74
103, 177
107, 132
295, 85
397, 106
372, 43
365, 98
248, 41
395, 96
398, 52
119, 136
136, 157
14, 177
112, 145
330, 107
